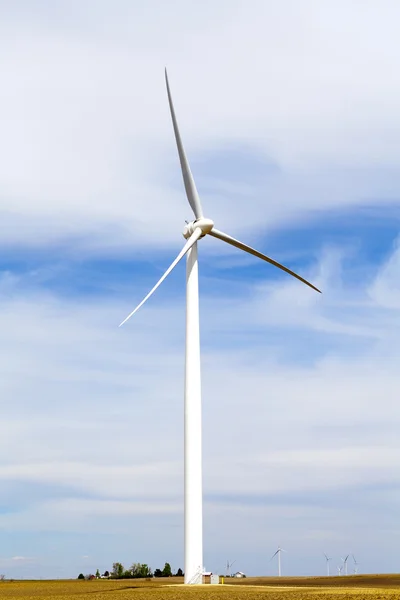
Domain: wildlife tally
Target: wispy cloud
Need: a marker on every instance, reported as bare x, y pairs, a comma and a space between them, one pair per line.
95, 152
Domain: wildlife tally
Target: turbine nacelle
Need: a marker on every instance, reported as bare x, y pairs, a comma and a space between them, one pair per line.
205, 226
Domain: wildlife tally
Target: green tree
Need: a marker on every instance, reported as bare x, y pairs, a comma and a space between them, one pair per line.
117, 570
98, 574
135, 569
179, 573
145, 571
167, 571
140, 570
158, 573
81, 576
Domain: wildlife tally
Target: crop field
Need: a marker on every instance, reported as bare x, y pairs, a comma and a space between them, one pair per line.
367, 587
359, 581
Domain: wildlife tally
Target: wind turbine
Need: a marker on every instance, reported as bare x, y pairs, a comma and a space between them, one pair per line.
228, 567
355, 565
278, 552
339, 570
345, 563
328, 558
193, 232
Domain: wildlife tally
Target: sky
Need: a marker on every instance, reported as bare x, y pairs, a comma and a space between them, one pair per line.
289, 115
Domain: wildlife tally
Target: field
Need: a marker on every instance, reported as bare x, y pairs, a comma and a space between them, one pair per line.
372, 587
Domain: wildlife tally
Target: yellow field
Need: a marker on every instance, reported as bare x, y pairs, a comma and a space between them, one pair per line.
381, 587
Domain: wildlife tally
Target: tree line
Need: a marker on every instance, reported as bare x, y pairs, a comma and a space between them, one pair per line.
136, 571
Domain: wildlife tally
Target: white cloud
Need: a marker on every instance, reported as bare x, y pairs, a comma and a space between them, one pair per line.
385, 290
87, 145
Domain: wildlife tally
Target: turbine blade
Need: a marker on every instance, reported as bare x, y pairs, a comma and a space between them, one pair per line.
192, 240
274, 555
230, 240
190, 186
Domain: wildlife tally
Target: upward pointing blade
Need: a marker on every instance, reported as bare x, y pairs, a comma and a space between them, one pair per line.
190, 186
230, 240
192, 240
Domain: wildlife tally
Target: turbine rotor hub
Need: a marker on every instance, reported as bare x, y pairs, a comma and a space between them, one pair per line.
204, 224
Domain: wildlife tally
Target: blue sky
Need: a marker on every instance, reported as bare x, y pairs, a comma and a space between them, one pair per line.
293, 141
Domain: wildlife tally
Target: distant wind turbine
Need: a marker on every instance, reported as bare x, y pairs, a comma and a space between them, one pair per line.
339, 570
278, 552
228, 567
328, 558
355, 565
193, 232
345, 563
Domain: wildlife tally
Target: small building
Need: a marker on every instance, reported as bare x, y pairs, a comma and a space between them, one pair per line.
239, 574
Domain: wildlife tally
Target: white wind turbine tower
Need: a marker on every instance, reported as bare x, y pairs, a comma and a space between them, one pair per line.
345, 563
193, 232
278, 552
328, 558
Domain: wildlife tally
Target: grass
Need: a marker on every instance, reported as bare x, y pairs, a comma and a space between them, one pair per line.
368, 587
